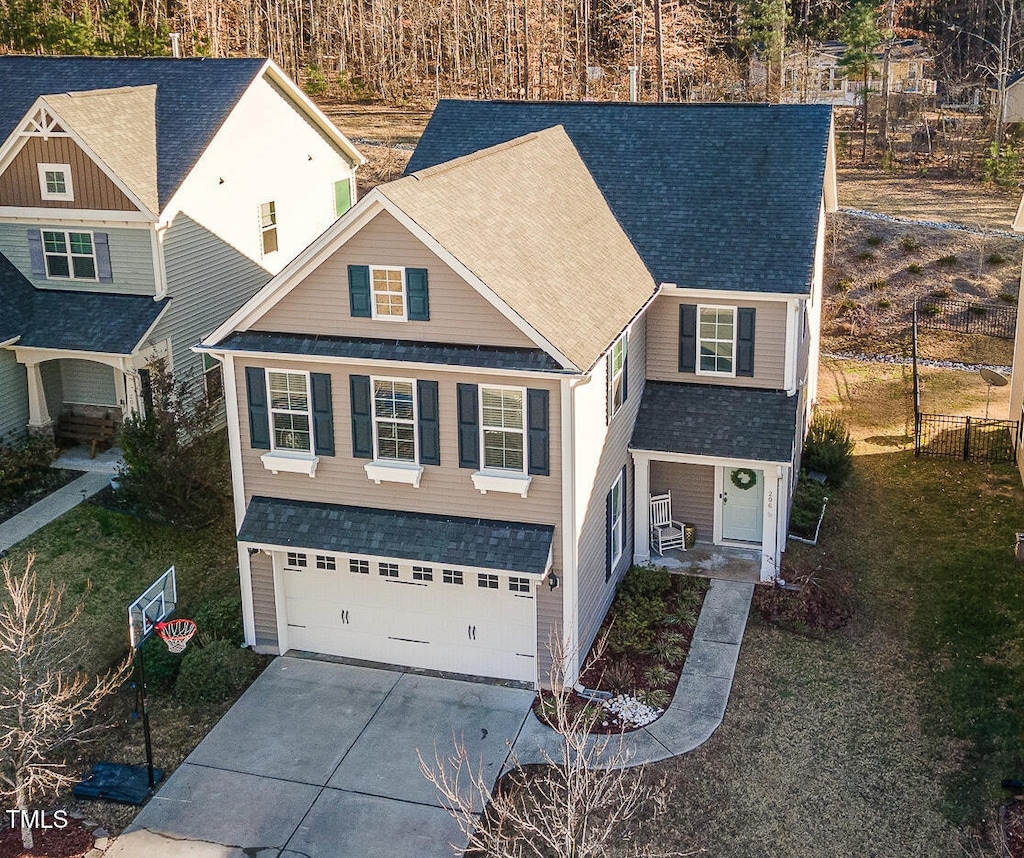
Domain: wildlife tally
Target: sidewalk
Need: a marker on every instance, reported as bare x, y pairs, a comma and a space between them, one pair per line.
53, 506
702, 694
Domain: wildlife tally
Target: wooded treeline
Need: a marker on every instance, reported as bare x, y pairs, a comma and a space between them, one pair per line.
413, 50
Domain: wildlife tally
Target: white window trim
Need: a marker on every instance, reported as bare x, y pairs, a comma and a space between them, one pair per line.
499, 479
611, 378
394, 470
69, 192
264, 229
405, 294
287, 460
69, 256
735, 332
618, 519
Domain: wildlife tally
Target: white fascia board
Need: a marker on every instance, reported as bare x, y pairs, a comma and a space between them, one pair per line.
570, 553
385, 558
389, 365
317, 252
14, 143
629, 327
10, 342
831, 189
728, 295
694, 459
792, 345
485, 291
98, 217
36, 354
320, 119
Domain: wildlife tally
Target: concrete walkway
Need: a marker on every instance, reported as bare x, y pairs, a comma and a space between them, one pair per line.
53, 506
698, 706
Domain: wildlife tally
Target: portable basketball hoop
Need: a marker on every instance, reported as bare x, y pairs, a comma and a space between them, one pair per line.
176, 633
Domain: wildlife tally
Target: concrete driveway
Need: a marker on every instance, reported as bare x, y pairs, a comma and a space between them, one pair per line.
318, 760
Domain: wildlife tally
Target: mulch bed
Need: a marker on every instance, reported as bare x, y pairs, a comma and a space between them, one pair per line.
1011, 821
72, 841
55, 478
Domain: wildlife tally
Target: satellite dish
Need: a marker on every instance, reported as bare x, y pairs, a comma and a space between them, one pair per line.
993, 378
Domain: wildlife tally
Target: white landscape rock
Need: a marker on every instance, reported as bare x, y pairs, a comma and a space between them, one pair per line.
632, 710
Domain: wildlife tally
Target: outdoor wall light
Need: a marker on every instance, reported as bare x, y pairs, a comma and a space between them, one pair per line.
552, 580
253, 551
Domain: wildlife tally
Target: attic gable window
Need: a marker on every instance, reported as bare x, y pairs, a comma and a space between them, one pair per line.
55, 182
388, 285
268, 227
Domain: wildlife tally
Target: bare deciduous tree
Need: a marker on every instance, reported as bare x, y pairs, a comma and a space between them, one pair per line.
45, 701
584, 801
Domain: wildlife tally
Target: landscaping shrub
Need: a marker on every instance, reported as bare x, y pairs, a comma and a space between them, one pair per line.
873, 240
915, 268
807, 500
813, 602
995, 258
829, 447
215, 672
884, 304
1001, 167
910, 244
220, 620
161, 664
931, 309
843, 284
620, 678
24, 463
880, 283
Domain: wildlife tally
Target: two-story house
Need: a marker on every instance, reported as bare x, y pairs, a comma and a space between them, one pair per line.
141, 202
449, 412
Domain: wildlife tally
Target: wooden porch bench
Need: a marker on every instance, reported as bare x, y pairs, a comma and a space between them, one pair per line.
96, 431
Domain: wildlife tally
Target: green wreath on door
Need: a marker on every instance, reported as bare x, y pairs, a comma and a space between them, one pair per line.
744, 478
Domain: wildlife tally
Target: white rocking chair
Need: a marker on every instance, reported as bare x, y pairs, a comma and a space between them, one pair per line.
665, 531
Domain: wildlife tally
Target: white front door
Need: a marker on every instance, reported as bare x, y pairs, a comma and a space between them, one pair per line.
742, 501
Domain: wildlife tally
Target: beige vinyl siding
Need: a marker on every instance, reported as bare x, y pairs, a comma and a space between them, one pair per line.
88, 383
92, 188
693, 494
458, 314
13, 396
131, 258
769, 342
595, 594
264, 600
207, 280
549, 624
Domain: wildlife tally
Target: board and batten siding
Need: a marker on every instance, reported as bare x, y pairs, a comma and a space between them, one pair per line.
131, 258
458, 313
769, 342
603, 456
693, 493
207, 280
13, 396
447, 488
85, 382
264, 600
91, 187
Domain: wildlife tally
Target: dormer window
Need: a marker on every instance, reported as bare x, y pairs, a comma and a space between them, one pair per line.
55, 182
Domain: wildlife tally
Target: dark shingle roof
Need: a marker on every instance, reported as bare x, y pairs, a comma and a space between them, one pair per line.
486, 357
505, 545
713, 196
193, 97
714, 420
72, 319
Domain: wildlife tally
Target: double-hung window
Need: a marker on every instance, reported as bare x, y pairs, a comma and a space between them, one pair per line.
69, 255
55, 182
501, 428
616, 367
213, 380
616, 515
268, 227
716, 336
394, 420
388, 293
290, 411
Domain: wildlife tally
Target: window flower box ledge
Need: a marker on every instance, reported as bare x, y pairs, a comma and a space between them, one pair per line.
495, 481
291, 463
394, 472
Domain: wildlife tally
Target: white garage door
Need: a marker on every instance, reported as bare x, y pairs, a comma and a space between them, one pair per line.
420, 616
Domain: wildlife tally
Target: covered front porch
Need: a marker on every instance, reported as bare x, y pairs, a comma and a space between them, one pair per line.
716, 562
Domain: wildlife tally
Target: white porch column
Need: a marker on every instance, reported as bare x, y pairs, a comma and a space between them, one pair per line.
132, 397
38, 413
771, 555
641, 508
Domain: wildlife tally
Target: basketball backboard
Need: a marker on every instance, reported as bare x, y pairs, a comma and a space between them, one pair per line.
155, 604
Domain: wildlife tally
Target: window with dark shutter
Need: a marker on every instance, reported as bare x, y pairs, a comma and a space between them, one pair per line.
323, 414
537, 426
687, 337
469, 422
362, 417
359, 291
417, 294
745, 317
429, 423
259, 416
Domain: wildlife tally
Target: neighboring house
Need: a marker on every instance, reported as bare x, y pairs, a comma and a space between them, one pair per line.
449, 411
141, 202
1014, 111
816, 76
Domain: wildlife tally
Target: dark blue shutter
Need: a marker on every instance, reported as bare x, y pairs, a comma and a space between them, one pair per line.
537, 429
745, 341
429, 425
362, 417
625, 371
469, 426
323, 414
259, 415
102, 249
608, 536
35, 252
417, 293
359, 290
687, 337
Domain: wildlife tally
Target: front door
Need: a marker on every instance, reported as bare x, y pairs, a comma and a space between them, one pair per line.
742, 504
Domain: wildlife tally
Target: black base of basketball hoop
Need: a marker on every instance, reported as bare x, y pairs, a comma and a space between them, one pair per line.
118, 782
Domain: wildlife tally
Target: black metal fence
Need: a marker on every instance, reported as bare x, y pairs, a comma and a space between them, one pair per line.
967, 317
972, 439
